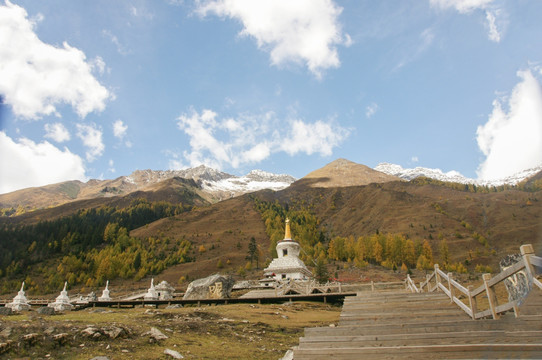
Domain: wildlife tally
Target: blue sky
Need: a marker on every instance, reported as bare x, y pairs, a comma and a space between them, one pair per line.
98, 89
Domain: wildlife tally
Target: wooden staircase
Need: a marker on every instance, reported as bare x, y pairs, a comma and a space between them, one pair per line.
404, 325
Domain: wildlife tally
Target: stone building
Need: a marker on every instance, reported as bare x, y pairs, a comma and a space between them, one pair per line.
288, 265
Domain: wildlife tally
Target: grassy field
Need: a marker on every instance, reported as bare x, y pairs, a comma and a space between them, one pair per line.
241, 331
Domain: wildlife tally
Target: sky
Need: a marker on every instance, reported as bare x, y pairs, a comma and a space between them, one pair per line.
99, 89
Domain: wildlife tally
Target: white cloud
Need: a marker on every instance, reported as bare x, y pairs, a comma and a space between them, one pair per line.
27, 164
414, 159
320, 137
119, 129
250, 139
121, 49
37, 76
111, 166
303, 31
57, 132
92, 139
371, 110
494, 14
462, 6
512, 141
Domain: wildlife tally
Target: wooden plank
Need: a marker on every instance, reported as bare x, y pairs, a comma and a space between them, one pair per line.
520, 265
536, 261
461, 288
462, 306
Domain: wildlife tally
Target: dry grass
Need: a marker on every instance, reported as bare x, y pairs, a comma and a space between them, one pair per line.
238, 331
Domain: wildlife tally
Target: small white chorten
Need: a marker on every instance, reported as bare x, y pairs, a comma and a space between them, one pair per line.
105, 293
151, 293
288, 265
164, 291
62, 301
20, 302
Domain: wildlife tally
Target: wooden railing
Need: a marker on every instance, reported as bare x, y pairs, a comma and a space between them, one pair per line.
529, 264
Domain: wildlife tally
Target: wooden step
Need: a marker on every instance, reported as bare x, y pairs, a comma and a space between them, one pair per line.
456, 351
424, 327
443, 338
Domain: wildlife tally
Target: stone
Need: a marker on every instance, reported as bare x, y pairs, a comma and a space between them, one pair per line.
517, 285
174, 306
6, 332
116, 332
5, 310
215, 286
100, 358
288, 356
30, 338
155, 335
61, 338
174, 354
45, 310
92, 333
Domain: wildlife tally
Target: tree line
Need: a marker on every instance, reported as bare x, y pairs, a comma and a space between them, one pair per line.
89, 247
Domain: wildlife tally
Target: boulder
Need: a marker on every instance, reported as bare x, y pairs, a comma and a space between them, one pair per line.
155, 335
5, 311
215, 286
174, 354
45, 310
517, 285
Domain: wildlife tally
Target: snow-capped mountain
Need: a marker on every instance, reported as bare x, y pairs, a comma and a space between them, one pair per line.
253, 181
453, 176
216, 182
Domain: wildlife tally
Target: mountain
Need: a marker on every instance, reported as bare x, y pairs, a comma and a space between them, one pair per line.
454, 176
479, 227
214, 185
342, 173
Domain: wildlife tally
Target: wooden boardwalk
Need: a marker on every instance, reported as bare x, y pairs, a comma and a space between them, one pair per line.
403, 325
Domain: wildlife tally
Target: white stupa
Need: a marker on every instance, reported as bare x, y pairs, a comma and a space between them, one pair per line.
105, 293
151, 293
62, 301
288, 265
20, 302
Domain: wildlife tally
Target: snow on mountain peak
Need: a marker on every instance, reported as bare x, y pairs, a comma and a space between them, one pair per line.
453, 176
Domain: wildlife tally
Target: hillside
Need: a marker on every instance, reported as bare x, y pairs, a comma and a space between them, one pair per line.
212, 185
342, 172
479, 226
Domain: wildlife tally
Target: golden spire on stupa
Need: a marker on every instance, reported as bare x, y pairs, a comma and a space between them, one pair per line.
287, 232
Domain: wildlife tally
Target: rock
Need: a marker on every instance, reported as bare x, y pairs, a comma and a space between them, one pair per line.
115, 332
5, 346
215, 286
100, 358
30, 338
155, 335
5, 311
44, 310
6, 332
174, 306
288, 356
92, 333
61, 338
174, 354
517, 285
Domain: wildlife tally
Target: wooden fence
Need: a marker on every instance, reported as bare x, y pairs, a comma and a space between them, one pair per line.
529, 264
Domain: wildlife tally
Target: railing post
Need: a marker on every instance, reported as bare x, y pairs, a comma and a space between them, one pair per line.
372, 285
526, 252
473, 303
450, 287
437, 276
491, 296
427, 277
